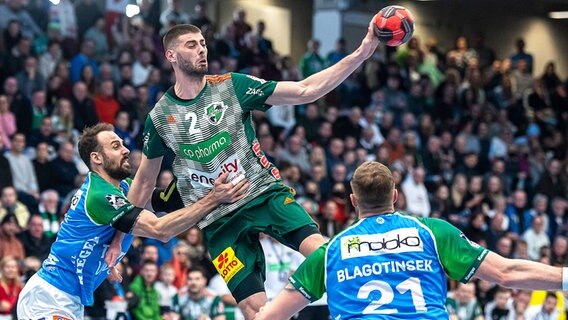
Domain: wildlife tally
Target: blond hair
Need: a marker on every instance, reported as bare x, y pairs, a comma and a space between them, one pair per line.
373, 185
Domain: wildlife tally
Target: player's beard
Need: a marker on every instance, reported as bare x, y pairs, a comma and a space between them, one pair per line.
118, 171
190, 69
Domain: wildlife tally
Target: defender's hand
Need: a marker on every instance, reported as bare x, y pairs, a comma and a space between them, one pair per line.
225, 191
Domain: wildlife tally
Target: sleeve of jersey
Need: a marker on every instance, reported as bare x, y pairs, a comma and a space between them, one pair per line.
460, 256
154, 146
309, 278
252, 92
105, 207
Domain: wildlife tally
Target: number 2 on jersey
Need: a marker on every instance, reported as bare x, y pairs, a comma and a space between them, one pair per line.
192, 117
411, 284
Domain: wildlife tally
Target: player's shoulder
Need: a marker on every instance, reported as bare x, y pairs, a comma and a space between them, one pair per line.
218, 78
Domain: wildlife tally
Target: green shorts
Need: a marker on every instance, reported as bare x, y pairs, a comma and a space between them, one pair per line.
233, 240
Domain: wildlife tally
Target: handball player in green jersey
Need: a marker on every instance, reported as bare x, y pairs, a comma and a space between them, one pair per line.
389, 265
207, 122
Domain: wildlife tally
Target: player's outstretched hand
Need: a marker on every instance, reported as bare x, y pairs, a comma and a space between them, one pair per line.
229, 191
371, 41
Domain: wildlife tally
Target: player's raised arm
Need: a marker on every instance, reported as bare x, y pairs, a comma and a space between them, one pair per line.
321, 83
521, 274
144, 223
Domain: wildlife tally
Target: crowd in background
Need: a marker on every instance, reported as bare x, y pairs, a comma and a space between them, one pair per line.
477, 139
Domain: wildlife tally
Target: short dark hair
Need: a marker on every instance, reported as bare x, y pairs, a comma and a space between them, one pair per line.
199, 269
172, 35
88, 141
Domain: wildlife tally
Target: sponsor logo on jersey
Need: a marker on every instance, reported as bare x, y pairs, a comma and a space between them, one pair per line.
75, 199
145, 140
227, 264
84, 254
395, 241
115, 201
264, 160
262, 81
214, 112
288, 200
207, 150
60, 318
471, 243
201, 179
253, 91
171, 119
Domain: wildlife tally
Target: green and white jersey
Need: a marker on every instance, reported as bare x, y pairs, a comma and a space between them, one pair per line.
392, 265
212, 134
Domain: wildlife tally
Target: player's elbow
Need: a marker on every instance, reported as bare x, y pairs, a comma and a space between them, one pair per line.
505, 277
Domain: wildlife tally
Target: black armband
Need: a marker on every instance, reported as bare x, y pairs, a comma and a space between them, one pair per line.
167, 200
127, 221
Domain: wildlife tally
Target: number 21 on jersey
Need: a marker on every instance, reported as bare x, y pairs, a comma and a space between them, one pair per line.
411, 284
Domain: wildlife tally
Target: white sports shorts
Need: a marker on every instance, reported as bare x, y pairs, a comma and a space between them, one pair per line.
40, 300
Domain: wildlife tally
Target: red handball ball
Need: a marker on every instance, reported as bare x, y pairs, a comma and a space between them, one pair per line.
394, 25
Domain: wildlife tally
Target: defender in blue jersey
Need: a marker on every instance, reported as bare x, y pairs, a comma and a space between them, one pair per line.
76, 265
389, 265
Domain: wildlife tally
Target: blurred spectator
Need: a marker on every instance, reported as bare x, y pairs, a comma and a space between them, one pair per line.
559, 254
106, 106
295, 154
84, 57
15, 59
521, 54
87, 13
172, 15
548, 309
84, 114
11, 35
48, 206
25, 180
43, 167
464, 305
19, 105
536, 238
311, 62
200, 18
121, 128
181, 264
166, 290
501, 307
196, 302
63, 13
142, 287
30, 79
98, 35
35, 242
338, 53
49, 60
549, 77
11, 206
552, 183
520, 217
558, 224
10, 286
142, 67
7, 122
64, 169
10, 245
417, 199
5, 175
62, 119
12, 10
40, 109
